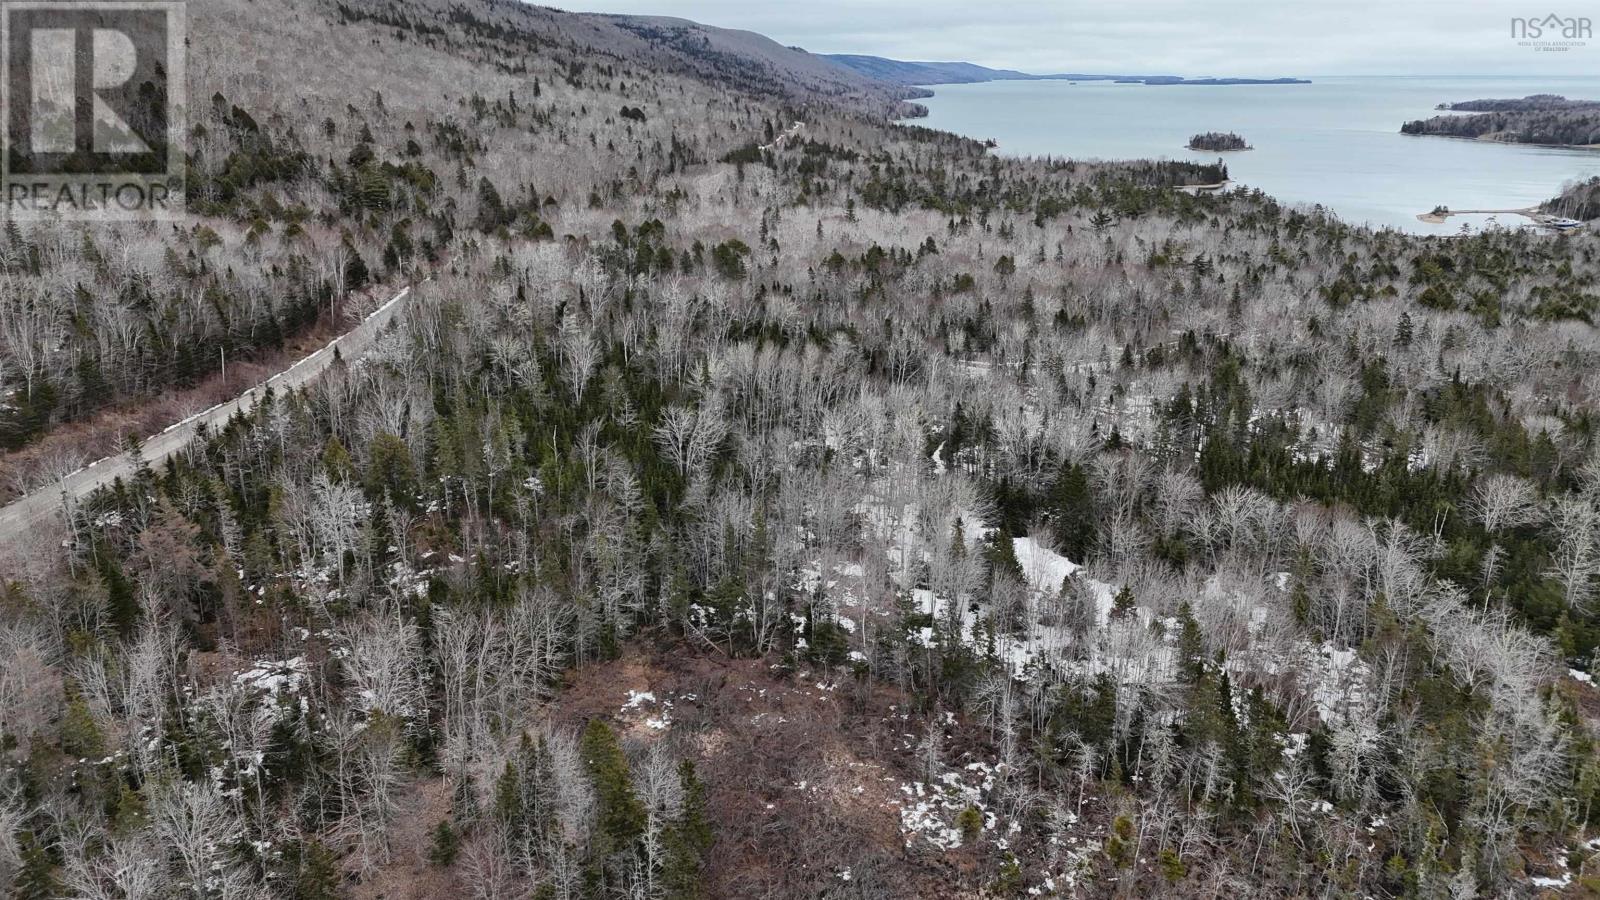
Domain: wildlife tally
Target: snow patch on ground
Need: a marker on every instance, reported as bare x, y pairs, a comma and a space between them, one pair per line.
274, 677
928, 811
642, 703
1046, 570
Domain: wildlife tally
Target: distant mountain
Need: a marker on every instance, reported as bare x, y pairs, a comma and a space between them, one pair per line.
900, 72
920, 73
745, 59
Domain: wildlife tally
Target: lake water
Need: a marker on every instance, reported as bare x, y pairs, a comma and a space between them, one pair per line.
1335, 142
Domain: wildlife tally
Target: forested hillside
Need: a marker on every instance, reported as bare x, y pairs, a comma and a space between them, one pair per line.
1580, 200
310, 214
764, 499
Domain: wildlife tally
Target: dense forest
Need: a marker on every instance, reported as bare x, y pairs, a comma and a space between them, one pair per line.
1536, 119
760, 498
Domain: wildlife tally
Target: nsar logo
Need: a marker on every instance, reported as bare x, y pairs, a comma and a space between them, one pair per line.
1553, 32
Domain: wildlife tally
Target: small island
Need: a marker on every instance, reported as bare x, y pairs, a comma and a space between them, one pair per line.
1537, 119
1218, 142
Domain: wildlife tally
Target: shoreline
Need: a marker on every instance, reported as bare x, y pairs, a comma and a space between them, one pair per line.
1533, 214
1486, 139
1437, 218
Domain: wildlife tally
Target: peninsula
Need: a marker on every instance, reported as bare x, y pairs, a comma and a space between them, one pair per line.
1536, 119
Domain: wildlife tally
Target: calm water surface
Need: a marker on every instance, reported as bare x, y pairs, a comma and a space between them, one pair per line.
1335, 142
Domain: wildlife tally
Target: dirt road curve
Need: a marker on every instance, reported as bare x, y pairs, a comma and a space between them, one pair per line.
32, 509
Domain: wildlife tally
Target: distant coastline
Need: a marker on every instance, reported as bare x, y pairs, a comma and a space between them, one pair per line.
919, 74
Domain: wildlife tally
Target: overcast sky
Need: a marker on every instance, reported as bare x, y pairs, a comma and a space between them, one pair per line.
1179, 37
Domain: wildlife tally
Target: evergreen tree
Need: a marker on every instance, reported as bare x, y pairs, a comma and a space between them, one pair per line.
492, 212
80, 736
1122, 605
688, 840
1171, 865
1003, 555
317, 876
356, 274
1073, 512
464, 806
1403, 330
1191, 648
336, 460
621, 816
1120, 845
36, 873
446, 844
122, 604
508, 809
538, 788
